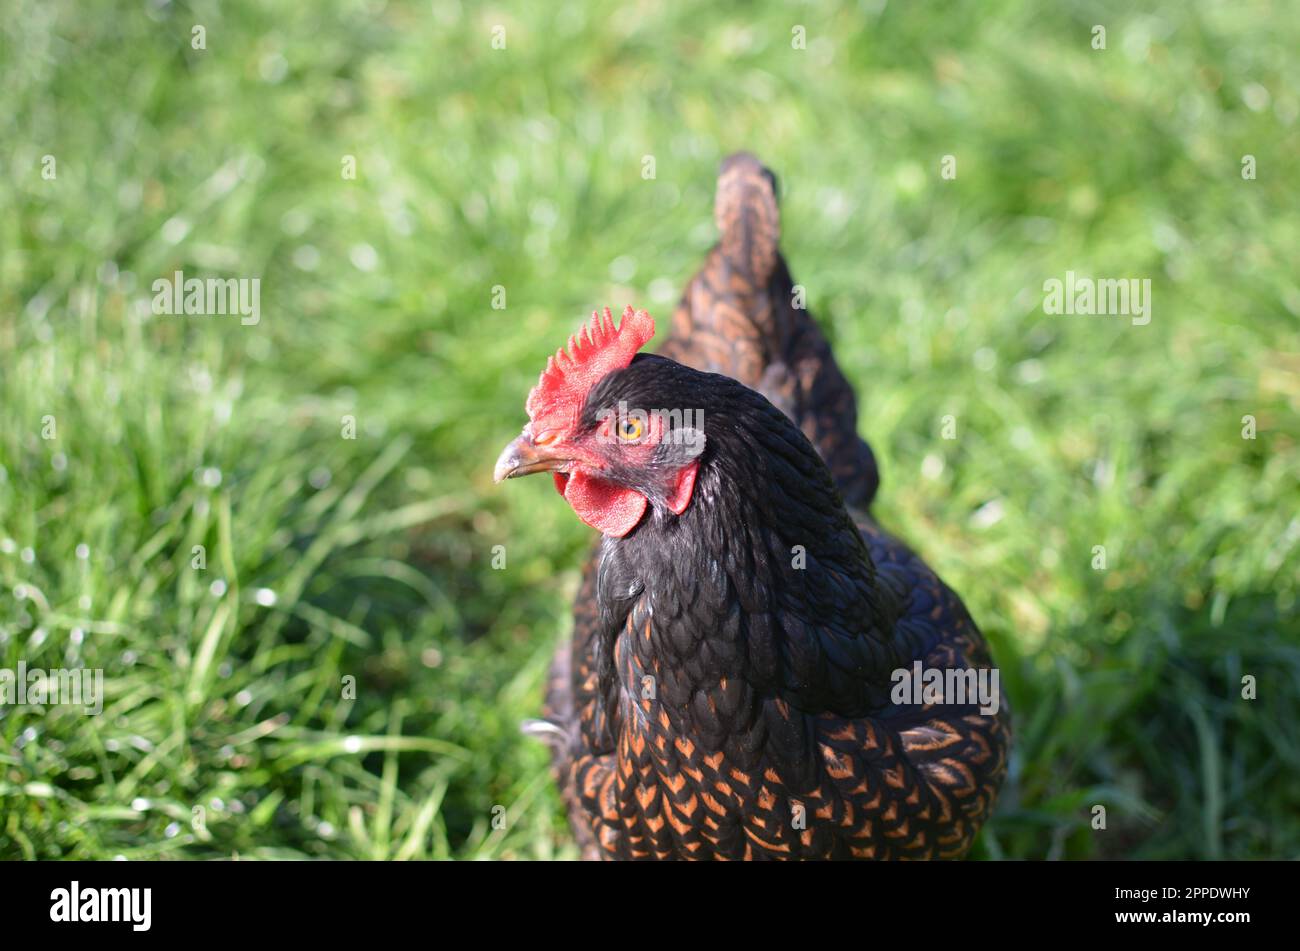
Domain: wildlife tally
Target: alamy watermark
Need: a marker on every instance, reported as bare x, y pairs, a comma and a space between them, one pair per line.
133, 906
209, 297
917, 685
674, 427
1107, 297
83, 687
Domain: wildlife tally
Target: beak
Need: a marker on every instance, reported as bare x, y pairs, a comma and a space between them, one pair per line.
524, 457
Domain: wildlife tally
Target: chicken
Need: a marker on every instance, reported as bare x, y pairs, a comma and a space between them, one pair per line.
744, 676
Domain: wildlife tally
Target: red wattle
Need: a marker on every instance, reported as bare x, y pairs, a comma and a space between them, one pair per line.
602, 505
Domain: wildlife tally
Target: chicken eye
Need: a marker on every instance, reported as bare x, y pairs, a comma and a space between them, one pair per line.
629, 430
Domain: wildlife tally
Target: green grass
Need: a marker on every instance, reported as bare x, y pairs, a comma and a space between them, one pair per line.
370, 558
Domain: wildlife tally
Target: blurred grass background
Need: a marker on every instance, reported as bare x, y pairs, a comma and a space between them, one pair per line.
225, 732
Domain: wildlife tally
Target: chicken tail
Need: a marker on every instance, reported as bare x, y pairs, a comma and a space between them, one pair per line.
743, 316
749, 222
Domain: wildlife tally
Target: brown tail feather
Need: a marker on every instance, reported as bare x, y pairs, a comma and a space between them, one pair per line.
749, 223
738, 317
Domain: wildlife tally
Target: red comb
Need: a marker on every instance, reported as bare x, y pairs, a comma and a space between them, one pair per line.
597, 349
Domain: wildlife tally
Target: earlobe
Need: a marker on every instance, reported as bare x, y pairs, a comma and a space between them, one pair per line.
683, 488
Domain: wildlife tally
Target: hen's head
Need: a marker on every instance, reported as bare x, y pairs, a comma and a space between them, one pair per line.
611, 455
